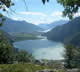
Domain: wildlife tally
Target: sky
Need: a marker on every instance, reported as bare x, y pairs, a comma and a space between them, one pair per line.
35, 12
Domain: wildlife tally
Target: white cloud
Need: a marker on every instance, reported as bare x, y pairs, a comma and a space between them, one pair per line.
77, 14
38, 17
33, 13
59, 14
34, 21
15, 18
56, 13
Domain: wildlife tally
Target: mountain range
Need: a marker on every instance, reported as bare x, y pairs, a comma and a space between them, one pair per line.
10, 25
53, 24
62, 31
69, 32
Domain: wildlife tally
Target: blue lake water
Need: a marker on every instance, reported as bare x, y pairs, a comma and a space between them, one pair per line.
42, 49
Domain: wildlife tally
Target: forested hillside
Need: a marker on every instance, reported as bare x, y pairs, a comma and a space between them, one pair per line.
65, 32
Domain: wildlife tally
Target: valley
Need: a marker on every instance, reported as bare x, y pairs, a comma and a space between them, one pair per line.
39, 35
33, 41
47, 46
42, 40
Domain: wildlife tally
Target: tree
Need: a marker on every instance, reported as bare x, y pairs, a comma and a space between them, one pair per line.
70, 7
23, 56
68, 56
6, 50
43, 1
4, 4
72, 56
7, 3
77, 57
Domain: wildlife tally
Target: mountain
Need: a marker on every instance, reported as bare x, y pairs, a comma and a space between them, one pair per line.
6, 36
19, 26
65, 32
53, 25
44, 26
75, 40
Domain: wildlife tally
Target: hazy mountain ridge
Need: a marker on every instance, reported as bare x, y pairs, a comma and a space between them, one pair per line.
19, 26
53, 24
65, 32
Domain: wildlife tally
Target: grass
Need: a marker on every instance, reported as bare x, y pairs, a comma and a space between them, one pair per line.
21, 68
29, 68
21, 37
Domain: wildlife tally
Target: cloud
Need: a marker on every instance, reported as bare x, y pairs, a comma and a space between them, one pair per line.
39, 17
59, 14
77, 14
40, 20
32, 13
56, 13
15, 18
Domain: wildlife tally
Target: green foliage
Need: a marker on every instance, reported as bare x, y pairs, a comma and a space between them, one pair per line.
43, 1
70, 7
21, 68
4, 4
6, 50
9, 55
1, 19
7, 3
23, 56
69, 53
72, 57
21, 37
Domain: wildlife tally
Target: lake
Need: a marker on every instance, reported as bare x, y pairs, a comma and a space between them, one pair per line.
42, 48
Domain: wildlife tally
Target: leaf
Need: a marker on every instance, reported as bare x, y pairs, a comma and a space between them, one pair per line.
0, 24
1, 15
4, 9
47, 0
43, 1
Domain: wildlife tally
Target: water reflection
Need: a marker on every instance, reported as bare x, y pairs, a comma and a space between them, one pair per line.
42, 49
